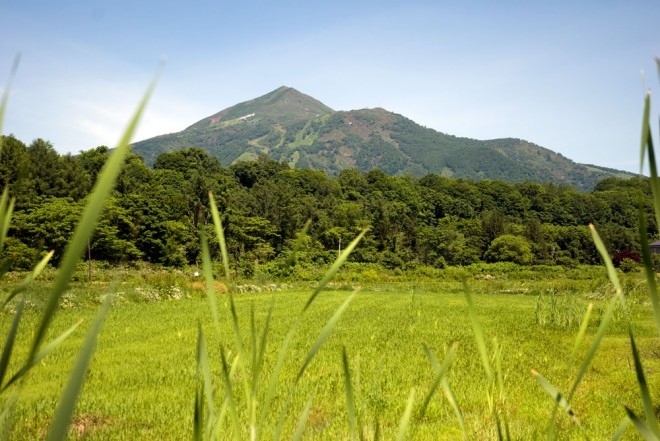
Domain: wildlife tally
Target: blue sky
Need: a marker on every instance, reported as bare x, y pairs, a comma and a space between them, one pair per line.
565, 75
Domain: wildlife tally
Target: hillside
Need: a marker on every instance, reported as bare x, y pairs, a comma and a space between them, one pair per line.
293, 127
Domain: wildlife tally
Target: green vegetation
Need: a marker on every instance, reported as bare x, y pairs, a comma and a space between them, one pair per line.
280, 374
17, 364
142, 379
286, 120
154, 214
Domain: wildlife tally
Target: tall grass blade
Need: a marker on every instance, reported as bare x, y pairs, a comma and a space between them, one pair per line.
6, 210
580, 335
229, 394
11, 338
274, 376
204, 370
272, 386
5, 95
556, 396
649, 410
208, 277
78, 243
335, 267
600, 333
283, 412
302, 421
350, 398
441, 380
252, 398
646, 132
439, 374
605, 255
641, 427
377, 430
405, 418
291, 260
240, 347
29, 278
259, 361
198, 416
225, 402
219, 231
649, 271
325, 333
258, 366
451, 397
621, 429
647, 146
66, 406
9, 343
478, 334
43, 352
7, 416
607, 316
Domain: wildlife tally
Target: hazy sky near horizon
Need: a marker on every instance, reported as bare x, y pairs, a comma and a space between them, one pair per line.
565, 75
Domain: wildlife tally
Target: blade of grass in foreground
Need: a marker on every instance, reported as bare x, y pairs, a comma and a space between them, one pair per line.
66, 406
220, 233
29, 278
291, 260
96, 200
478, 334
649, 271
441, 379
350, 399
284, 348
6, 209
325, 333
580, 335
335, 267
439, 374
556, 396
5, 95
230, 402
647, 147
11, 338
43, 352
607, 317
405, 418
564, 402
7, 415
208, 278
642, 428
649, 409
198, 415
621, 429
302, 421
204, 370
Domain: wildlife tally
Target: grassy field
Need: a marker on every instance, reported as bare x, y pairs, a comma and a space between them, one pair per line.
142, 381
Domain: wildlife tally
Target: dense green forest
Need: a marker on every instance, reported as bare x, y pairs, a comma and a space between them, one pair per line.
155, 214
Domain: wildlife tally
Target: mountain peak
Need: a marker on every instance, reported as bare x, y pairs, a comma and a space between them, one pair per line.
282, 104
295, 128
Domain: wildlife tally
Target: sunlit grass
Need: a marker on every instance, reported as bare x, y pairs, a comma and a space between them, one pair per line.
143, 376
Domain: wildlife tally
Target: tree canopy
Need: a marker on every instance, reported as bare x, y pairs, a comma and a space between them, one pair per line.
156, 214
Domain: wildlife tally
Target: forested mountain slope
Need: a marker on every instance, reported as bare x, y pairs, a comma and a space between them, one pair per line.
294, 128
156, 214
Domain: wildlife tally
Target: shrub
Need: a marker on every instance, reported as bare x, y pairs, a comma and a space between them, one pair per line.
622, 255
509, 248
628, 265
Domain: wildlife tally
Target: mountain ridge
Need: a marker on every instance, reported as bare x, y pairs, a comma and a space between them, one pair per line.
295, 128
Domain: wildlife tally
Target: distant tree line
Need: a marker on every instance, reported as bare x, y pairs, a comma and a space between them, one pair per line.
155, 214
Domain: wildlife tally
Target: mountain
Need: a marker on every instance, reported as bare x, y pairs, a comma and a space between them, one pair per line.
293, 127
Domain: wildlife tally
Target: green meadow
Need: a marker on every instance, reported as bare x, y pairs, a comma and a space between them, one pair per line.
142, 380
